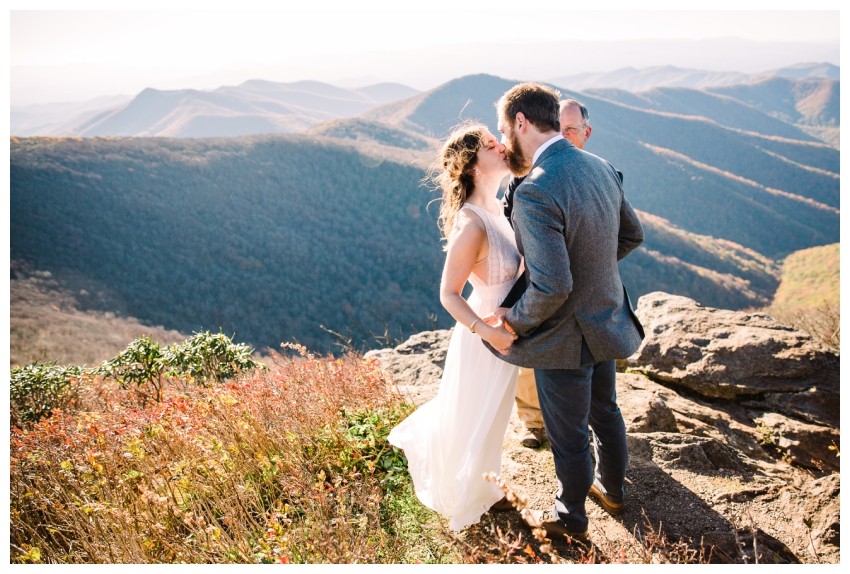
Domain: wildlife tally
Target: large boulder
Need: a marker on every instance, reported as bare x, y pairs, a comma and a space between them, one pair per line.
746, 357
416, 365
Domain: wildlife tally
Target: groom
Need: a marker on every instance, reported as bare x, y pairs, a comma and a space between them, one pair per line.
572, 224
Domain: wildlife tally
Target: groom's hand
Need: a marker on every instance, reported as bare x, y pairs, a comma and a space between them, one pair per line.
494, 319
502, 339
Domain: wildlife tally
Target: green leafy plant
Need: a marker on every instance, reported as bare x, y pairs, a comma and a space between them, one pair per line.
201, 359
208, 357
38, 388
366, 433
140, 364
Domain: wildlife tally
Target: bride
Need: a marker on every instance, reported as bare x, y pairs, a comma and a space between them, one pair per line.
452, 441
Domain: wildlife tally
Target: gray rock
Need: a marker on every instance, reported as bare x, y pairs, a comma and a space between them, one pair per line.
735, 355
816, 510
647, 407
695, 454
416, 365
805, 444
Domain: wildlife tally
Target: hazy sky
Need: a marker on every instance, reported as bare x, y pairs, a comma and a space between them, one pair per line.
75, 55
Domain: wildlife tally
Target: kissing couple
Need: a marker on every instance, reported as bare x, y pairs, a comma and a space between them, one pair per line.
547, 295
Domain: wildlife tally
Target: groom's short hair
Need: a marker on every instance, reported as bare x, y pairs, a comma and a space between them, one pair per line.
538, 103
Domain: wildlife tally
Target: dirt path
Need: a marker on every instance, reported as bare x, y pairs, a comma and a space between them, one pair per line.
678, 508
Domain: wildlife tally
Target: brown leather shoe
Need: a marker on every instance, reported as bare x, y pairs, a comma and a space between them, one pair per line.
503, 505
610, 505
533, 438
553, 527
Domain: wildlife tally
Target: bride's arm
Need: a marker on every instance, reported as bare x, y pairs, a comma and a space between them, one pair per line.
467, 247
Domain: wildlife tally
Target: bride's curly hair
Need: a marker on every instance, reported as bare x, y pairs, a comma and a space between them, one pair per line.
452, 171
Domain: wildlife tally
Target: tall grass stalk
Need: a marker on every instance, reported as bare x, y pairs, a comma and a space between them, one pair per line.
265, 468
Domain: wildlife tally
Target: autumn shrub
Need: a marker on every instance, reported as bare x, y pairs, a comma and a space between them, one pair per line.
38, 388
140, 366
288, 464
209, 357
205, 357
822, 322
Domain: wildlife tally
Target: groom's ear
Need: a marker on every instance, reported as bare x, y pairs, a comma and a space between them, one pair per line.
520, 122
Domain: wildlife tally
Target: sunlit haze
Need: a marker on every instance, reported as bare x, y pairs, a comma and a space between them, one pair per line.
75, 55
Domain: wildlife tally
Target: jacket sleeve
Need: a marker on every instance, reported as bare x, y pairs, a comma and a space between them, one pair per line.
540, 230
630, 235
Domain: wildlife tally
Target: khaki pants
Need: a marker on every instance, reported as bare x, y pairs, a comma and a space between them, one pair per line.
527, 403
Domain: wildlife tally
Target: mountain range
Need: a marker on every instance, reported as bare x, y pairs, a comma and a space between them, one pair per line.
255, 106
680, 167
259, 106
330, 235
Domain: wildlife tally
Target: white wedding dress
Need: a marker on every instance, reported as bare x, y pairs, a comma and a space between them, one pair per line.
452, 441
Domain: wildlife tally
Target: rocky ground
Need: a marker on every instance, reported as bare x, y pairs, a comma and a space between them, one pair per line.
729, 441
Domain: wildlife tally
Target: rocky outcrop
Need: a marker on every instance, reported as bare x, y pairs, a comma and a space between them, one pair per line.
787, 383
417, 364
722, 409
747, 357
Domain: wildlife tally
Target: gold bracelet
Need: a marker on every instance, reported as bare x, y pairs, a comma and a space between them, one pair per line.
472, 325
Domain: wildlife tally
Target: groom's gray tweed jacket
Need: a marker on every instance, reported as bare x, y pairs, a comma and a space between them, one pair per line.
572, 224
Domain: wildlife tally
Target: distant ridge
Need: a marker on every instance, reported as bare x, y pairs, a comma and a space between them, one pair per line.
810, 101
59, 117
640, 79
253, 107
808, 70
362, 130
790, 107
722, 109
386, 92
260, 106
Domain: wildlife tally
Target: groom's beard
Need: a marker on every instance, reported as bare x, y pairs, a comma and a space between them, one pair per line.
518, 163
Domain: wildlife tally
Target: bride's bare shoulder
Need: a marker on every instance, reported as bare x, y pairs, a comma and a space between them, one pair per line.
468, 221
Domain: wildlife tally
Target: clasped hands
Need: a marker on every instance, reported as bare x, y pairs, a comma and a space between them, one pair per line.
502, 339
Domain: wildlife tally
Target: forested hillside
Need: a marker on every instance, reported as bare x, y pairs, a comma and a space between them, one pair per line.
810, 279
808, 295
273, 238
267, 238
45, 325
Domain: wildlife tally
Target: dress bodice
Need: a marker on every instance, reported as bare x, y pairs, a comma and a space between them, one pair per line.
503, 258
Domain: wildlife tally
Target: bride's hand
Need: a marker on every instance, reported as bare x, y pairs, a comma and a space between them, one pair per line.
499, 338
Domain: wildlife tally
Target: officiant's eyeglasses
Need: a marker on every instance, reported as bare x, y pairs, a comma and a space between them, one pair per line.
571, 130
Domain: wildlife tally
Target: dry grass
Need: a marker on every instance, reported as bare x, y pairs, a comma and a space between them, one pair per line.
266, 468
808, 297
285, 465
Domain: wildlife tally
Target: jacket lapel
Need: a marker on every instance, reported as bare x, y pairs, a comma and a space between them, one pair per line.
551, 150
